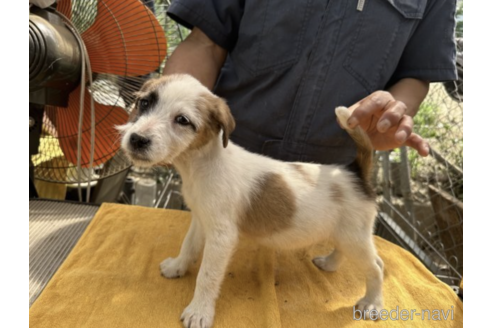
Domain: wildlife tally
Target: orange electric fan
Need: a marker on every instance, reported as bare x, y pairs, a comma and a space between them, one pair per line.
86, 60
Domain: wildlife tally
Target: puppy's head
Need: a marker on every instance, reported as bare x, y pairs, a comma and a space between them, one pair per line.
172, 115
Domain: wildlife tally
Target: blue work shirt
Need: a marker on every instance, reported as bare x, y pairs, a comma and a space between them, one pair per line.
291, 63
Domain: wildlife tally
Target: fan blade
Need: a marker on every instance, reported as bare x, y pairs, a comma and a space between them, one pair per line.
65, 7
126, 39
107, 138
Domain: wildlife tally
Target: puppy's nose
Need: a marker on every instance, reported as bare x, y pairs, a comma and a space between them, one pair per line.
139, 142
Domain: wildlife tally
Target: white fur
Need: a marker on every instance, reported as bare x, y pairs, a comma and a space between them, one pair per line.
217, 183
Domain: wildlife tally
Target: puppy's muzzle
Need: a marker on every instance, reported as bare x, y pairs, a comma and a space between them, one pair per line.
138, 142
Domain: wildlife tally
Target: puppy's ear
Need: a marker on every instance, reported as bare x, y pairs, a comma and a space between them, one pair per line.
133, 113
222, 115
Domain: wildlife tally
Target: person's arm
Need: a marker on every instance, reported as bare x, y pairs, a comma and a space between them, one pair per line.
198, 56
387, 115
428, 56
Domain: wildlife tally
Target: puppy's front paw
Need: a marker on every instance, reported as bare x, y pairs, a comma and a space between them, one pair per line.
172, 268
198, 316
365, 304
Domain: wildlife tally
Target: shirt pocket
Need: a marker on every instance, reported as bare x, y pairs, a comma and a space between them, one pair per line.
271, 34
379, 36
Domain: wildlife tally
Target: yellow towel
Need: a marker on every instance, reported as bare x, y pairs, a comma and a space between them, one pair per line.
111, 279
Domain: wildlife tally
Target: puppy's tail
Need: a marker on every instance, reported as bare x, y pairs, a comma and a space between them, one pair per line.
364, 146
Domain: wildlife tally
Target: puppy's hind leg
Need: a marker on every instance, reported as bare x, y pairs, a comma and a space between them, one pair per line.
189, 253
330, 262
363, 253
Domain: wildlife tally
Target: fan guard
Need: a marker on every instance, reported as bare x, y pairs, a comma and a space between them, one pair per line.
125, 44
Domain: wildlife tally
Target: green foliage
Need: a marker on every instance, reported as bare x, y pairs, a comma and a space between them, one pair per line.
426, 120
174, 32
436, 123
459, 20
425, 123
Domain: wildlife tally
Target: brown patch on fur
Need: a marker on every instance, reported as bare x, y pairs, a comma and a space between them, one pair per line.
153, 84
272, 207
361, 181
337, 192
216, 116
305, 175
133, 114
224, 117
363, 164
148, 87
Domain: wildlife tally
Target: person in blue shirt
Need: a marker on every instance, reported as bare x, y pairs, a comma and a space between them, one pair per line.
284, 66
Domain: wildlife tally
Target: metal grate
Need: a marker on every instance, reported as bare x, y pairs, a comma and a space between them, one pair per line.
422, 198
54, 229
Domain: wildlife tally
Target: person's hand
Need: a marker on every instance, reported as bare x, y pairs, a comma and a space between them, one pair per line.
386, 123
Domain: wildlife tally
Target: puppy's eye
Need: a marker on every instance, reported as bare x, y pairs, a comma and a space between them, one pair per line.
183, 120
143, 104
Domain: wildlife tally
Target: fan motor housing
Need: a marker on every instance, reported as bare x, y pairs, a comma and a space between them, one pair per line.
54, 59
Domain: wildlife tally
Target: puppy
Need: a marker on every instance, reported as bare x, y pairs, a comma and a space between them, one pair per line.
232, 192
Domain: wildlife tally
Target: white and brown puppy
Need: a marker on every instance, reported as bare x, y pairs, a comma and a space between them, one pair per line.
233, 192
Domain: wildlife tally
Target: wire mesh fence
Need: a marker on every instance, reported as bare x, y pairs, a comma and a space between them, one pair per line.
175, 33
421, 199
